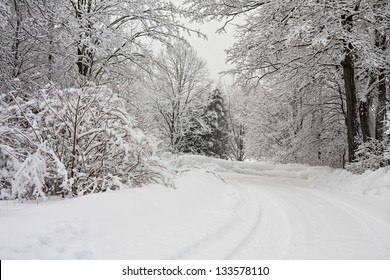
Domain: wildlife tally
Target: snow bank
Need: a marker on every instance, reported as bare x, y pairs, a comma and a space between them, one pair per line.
116, 225
371, 182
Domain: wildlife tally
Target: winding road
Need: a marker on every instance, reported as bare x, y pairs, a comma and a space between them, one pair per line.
278, 218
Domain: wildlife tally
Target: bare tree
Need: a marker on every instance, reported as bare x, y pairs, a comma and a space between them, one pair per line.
237, 103
179, 86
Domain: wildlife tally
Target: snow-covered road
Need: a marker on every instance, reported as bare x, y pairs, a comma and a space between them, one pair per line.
243, 217
284, 219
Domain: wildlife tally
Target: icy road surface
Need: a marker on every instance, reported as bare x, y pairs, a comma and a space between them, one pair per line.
245, 217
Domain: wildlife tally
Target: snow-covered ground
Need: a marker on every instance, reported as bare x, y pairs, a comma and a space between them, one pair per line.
232, 211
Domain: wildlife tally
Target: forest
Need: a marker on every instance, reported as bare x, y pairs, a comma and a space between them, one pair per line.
96, 94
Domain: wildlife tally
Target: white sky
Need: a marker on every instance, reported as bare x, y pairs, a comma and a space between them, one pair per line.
212, 49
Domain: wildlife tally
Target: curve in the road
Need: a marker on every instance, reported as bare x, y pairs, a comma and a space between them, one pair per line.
277, 219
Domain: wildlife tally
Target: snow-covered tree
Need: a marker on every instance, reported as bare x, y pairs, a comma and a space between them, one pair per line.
215, 115
237, 113
115, 36
179, 86
305, 125
96, 139
34, 45
69, 42
74, 142
282, 43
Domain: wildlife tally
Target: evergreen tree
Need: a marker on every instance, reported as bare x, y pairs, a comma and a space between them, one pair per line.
216, 139
194, 140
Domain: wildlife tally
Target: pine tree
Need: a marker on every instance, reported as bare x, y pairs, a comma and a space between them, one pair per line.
194, 140
216, 140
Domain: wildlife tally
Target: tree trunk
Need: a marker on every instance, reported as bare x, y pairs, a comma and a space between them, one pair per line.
240, 144
350, 88
50, 57
17, 62
352, 119
364, 111
74, 147
380, 42
381, 111
85, 55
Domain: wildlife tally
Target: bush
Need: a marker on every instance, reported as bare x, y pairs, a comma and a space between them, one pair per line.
8, 167
76, 141
371, 155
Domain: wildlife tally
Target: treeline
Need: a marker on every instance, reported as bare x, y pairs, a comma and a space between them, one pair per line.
86, 103
320, 70
68, 72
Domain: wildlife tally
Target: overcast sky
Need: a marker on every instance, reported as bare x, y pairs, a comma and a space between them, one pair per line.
213, 49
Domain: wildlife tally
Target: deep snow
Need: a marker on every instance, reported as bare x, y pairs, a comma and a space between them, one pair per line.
256, 211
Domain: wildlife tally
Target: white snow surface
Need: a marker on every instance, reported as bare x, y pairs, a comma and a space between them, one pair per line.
219, 210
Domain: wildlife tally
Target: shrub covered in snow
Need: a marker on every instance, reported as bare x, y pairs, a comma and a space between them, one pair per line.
38, 174
75, 141
8, 167
371, 155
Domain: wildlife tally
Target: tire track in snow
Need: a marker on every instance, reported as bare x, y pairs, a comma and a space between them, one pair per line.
269, 236
279, 219
322, 228
249, 232
379, 229
222, 242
